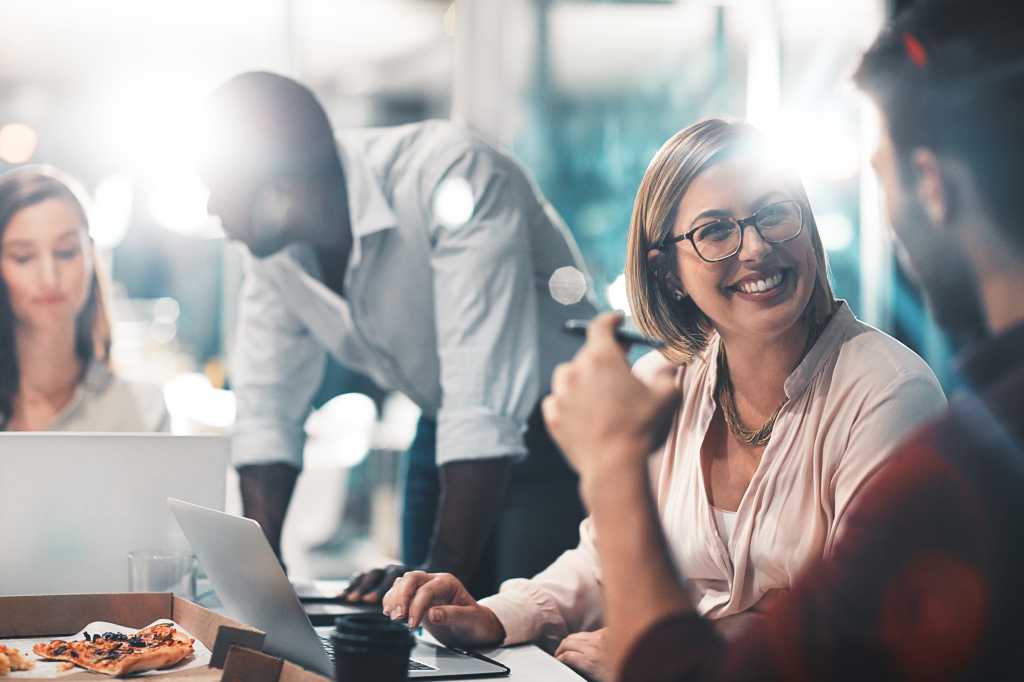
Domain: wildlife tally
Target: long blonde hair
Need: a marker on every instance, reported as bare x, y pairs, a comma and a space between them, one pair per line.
683, 327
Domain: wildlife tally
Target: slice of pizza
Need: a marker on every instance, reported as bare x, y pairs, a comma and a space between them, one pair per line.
12, 660
152, 648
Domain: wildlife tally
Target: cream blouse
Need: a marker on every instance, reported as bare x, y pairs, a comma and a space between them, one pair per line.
855, 395
105, 403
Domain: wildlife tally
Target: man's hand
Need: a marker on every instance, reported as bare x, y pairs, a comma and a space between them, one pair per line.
608, 422
369, 587
599, 413
586, 653
471, 495
266, 491
440, 602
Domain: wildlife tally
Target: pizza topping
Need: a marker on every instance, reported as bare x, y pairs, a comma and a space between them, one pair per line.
154, 647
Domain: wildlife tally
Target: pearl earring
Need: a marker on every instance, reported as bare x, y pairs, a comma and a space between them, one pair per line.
678, 295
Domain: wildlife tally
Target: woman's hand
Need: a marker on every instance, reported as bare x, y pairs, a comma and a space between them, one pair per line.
601, 415
585, 653
440, 602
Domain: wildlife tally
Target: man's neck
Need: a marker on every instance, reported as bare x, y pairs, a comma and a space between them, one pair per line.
334, 246
1002, 294
998, 267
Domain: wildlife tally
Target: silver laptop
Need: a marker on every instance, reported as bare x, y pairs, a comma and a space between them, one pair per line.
73, 505
255, 590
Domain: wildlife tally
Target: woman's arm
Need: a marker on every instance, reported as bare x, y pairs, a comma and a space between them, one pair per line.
886, 417
563, 598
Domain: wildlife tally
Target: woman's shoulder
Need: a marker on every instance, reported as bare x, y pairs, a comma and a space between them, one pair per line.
650, 365
696, 369
136, 405
869, 356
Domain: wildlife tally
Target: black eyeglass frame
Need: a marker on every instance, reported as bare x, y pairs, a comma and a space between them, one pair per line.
743, 223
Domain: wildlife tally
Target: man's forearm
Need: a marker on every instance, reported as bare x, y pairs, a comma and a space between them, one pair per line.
471, 496
266, 491
641, 586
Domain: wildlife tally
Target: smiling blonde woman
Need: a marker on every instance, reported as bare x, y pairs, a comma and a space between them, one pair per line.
788, 402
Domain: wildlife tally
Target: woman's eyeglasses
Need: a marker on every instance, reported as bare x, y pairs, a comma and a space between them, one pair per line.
723, 238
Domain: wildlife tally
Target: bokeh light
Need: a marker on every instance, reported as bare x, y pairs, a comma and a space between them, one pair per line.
453, 203
18, 143
567, 285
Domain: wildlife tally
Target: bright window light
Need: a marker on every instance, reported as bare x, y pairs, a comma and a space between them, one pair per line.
177, 201
836, 231
154, 134
616, 293
111, 211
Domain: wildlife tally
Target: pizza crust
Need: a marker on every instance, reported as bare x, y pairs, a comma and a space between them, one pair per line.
12, 660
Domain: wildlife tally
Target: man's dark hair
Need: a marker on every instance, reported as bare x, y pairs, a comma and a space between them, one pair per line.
264, 123
949, 75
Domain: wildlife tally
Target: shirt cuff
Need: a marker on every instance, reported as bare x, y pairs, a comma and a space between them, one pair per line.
517, 614
477, 433
261, 444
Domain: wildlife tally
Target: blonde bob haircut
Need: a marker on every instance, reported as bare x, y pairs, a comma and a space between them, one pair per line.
683, 327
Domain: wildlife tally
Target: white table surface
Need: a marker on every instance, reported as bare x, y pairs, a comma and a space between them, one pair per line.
529, 663
526, 663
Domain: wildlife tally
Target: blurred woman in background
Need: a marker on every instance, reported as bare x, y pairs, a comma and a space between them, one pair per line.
54, 326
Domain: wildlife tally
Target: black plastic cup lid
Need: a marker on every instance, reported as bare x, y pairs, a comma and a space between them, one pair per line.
371, 626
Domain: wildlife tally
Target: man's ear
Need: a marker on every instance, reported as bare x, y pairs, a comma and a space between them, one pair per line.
932, 190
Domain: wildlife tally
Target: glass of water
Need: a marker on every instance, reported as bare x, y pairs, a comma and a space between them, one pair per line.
155, 570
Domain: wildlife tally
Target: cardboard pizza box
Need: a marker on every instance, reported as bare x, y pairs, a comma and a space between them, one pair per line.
62, 615
247, 665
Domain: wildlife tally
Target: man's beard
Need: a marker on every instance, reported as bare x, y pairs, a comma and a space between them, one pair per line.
939, 267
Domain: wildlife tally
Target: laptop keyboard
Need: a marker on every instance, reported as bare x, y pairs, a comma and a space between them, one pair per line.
328, 645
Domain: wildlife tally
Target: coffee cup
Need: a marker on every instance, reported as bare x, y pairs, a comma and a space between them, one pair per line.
370, 646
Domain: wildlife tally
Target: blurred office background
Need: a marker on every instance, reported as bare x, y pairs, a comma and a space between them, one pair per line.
582, 92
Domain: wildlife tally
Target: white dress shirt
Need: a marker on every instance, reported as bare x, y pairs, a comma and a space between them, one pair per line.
458, 318
852, 399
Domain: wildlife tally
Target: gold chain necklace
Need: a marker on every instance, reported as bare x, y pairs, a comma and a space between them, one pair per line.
748, 437
727, 399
